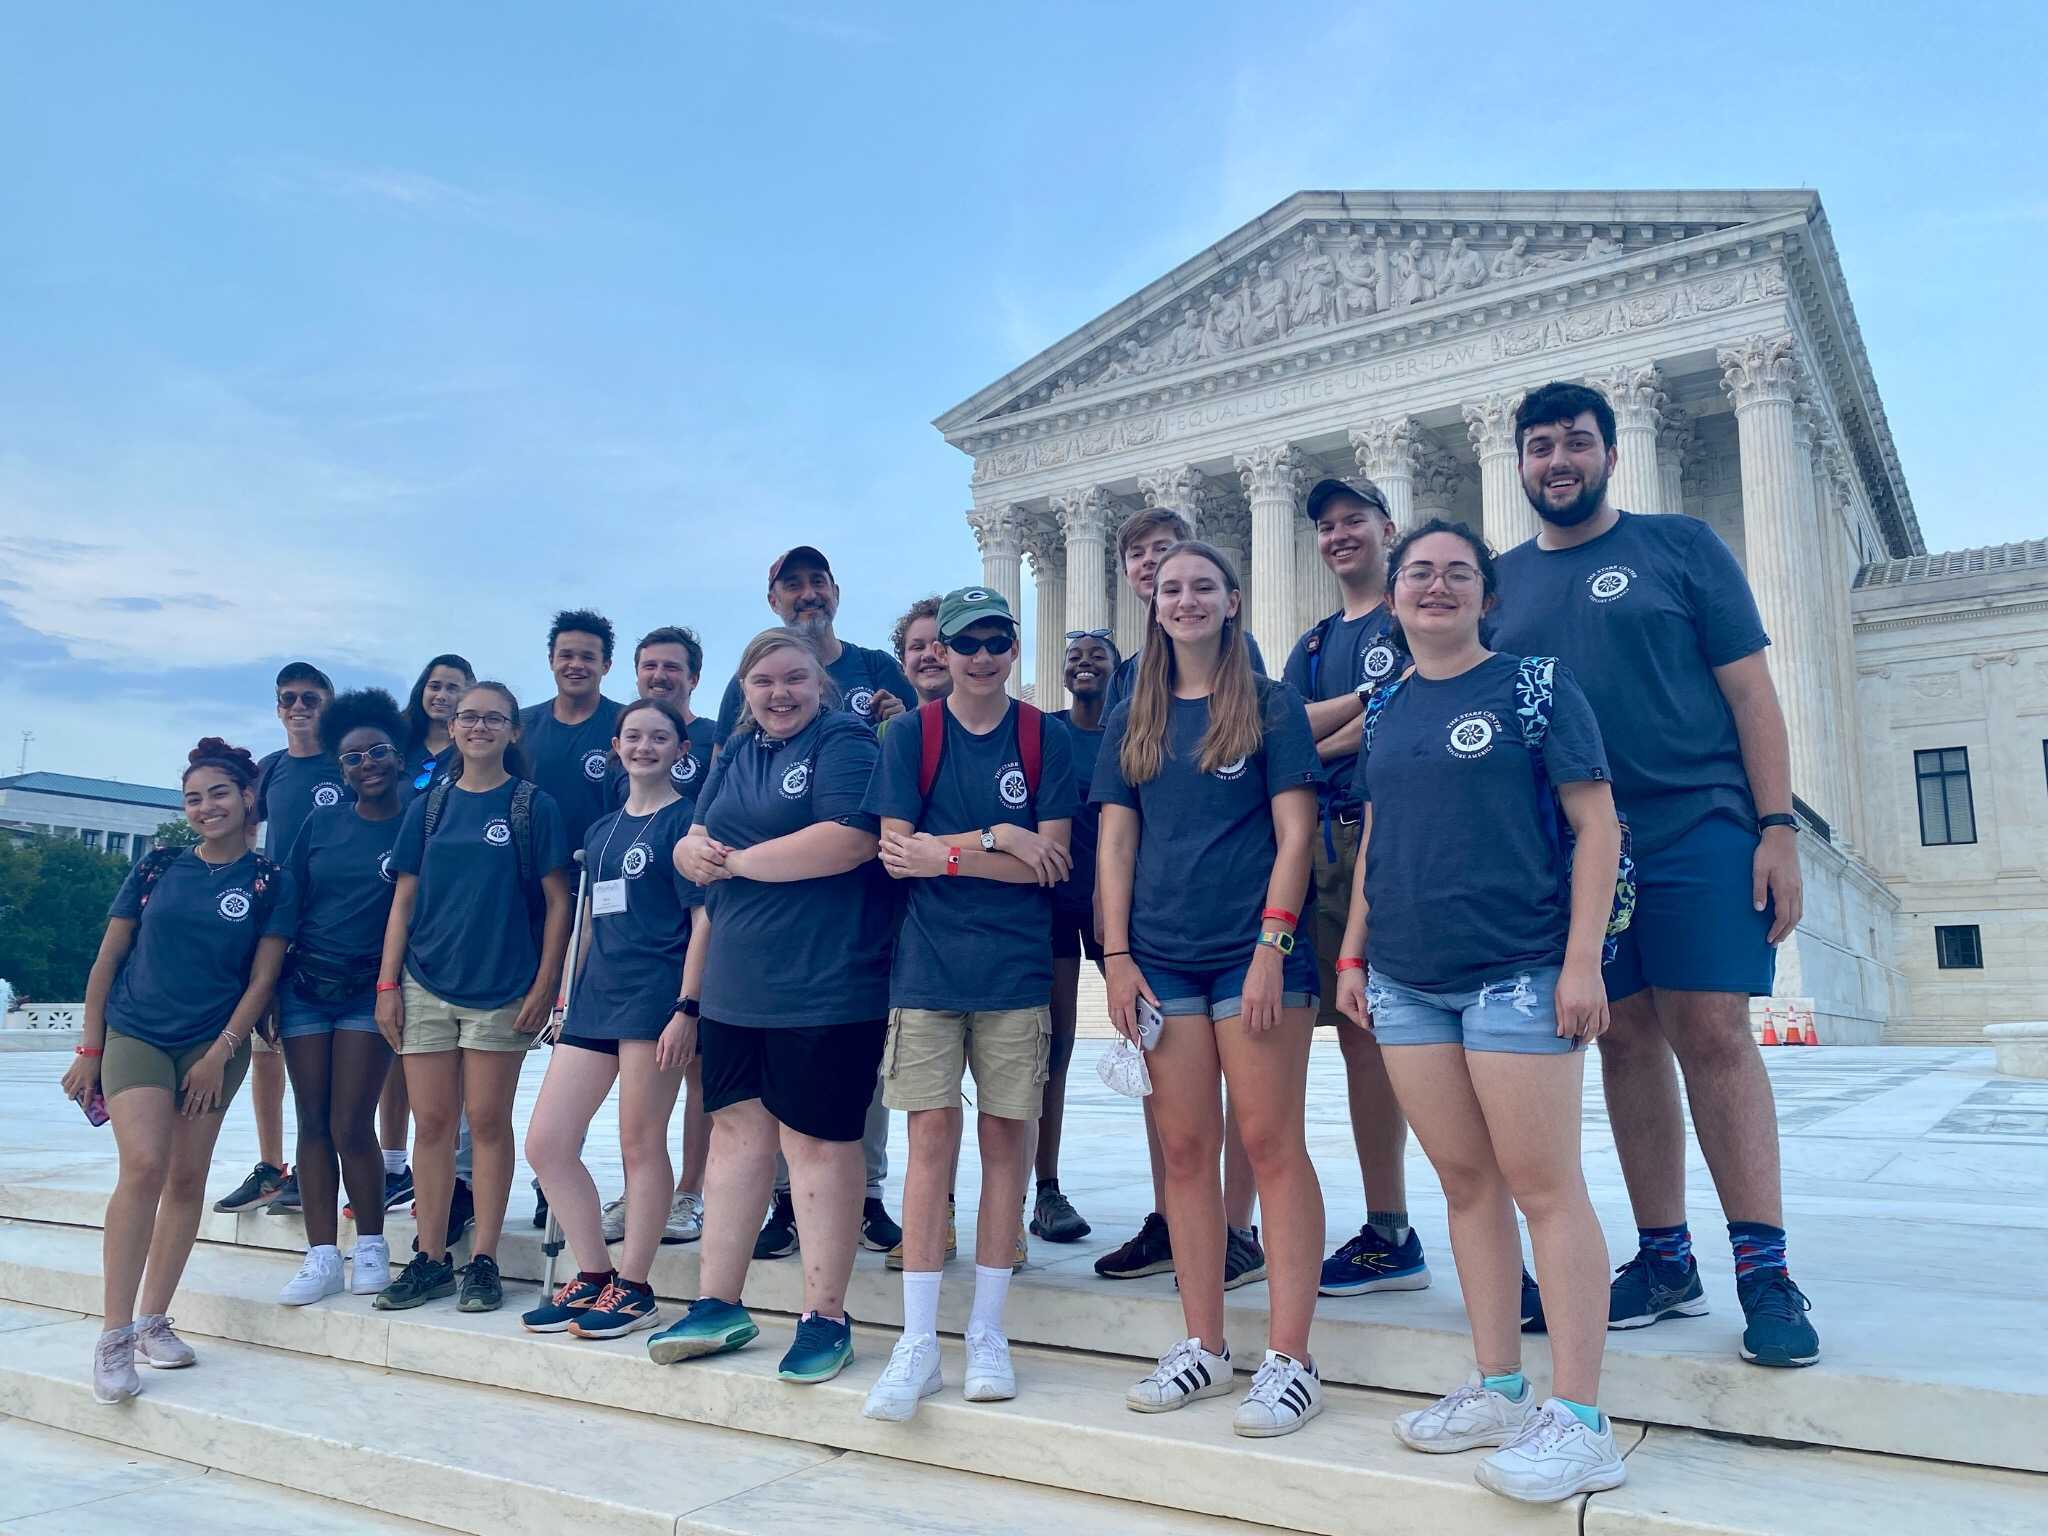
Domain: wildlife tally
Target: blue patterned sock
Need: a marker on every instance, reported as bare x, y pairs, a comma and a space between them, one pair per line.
1757, 1246
1586, 1414
1667, 1245
1512, 1385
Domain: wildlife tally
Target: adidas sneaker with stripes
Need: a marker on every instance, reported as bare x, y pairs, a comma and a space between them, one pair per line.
1286, 1393
1185, 1372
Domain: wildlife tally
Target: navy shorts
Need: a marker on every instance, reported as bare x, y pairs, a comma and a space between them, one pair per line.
1073, 934
1695, 929
1220, 992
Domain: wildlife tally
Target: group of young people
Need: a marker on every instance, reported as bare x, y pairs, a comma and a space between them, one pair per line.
1495, 809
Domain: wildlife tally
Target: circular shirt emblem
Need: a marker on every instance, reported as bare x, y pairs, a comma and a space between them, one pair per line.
1011, 787
635, 862
325, 795
796, 780
593, 766
1471, 735
1377, 662
1232, 770
498, 833
861, 701
384, 866
235, 905
1609, 584
685, 769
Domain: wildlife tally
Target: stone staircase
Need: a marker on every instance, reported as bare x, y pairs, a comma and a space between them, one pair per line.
304, 1417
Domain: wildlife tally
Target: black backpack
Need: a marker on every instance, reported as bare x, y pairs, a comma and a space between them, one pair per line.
521, 818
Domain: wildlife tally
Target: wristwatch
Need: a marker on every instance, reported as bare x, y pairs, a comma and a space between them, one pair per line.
988, 839
1777, 819
688, 1007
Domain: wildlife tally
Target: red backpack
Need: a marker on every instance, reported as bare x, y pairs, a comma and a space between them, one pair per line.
931, 724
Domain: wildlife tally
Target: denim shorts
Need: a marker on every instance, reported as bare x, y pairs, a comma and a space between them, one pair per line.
1220, 993
1696, 928
1517, 1014
296, 1016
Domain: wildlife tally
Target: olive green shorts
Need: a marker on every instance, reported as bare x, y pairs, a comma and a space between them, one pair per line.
132, 1063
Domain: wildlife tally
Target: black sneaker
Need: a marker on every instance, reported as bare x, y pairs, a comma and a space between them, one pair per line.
1647, 1290
483, 1289
1244, 1261
421, 1281
1149, 1253
258, 1189
540, 1206
778, 1234
286, 1199
878, 1230
1776, 1331
397, 1188
1054, 1218
1532, 1304
461, 1211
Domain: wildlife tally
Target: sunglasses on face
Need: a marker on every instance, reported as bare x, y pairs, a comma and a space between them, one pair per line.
974, 645
383, 752
469, 719
1086, 634
311, 698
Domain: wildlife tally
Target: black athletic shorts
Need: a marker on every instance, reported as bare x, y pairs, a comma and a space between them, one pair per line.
1073, 935
817, 1079
590, 1043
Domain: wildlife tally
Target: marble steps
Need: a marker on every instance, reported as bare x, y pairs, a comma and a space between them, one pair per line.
404, 1447
1884, 1386
1068, 1430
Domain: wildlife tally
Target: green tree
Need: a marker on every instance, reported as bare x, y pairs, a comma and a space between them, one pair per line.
177, 834
54, 895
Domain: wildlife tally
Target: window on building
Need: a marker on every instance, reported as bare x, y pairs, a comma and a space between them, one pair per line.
91, 837
1942, 778
117, 842
1959, 948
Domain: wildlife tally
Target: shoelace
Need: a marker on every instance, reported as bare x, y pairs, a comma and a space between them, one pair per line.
153, 1328
568, 1288
1465, 1397
987, 1351
1779, 1299
611, 1299
1545, 1432
904, 1365
1273, 1378
1177, 1359
107, 1355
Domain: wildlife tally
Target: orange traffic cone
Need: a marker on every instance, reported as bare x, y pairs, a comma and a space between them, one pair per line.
1770, 1029
1812, 1033
1792, 1034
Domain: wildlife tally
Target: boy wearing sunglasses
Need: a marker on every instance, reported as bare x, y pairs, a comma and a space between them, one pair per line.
975, 794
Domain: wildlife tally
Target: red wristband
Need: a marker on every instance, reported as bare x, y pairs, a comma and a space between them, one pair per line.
1350, 963
952, 861
1278, 915
87, 1050
390, 986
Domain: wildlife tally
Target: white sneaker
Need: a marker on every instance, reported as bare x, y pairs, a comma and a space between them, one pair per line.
990, 1377
911, 1375
114, 1377
1555, 1457
158, 1346
318, 1277
615, 1221
1470, 1417
369, 1266
685, 1220
1285, 1395
1185, 1372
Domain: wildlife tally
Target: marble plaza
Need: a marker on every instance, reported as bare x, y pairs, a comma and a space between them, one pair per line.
1916, 1191
1392, 334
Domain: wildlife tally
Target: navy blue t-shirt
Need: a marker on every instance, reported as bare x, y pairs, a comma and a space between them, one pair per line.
472, 941
689, 771
288, 790
1126, 674
342, 865
1350, 654
799, 953
189, 964
1205, 841
573, 763
1464, 868
1074, 897
970, 944
860, 674
634, 975
1642, 615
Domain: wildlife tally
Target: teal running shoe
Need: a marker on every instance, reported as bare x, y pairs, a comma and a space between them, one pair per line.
820, 1350
710, 1327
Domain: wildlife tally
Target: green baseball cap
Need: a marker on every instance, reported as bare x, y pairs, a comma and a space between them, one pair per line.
969, 605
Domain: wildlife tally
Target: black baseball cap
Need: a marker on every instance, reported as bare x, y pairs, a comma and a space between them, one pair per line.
1323, 492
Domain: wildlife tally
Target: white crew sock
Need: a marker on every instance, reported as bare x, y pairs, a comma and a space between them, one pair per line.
394, 1162
991, 1290
921, 1302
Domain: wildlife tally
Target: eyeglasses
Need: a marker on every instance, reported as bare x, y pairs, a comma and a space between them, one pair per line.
383, 752
974, 645
312, 698
1087, 634
469, 719
1418, 576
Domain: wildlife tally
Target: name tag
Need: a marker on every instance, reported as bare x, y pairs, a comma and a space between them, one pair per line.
607, 897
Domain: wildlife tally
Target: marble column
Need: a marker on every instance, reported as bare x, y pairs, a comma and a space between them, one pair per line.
1046, 550
1638, 400
1274, 475
1674, 442
1316, 590
1509, 519
1386, 453
999, 530
1779, 542
1830, 499
1083, 519
1228, 526
1130, 614
1439, 477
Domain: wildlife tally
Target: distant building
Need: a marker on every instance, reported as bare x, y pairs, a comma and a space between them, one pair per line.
107, 814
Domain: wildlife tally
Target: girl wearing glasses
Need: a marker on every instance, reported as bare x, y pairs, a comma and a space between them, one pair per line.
1206, 780
472, 960
1474, 945
327, 1013
429, 750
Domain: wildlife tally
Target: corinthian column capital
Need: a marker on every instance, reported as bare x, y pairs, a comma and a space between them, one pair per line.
1760, 370
1387, 446
1273, 471
999, 528
1083, 512
1636, 391
1490, 423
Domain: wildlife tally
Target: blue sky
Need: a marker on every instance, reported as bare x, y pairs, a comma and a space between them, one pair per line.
368, 332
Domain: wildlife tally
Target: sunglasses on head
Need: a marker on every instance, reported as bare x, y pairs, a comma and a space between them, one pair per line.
1087, 634
383, 752
972, 645
311, 698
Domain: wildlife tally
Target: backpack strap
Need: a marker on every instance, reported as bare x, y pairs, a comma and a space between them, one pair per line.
437, 802
1315, 640
1375, 706
931, 725
521, 817
1031, 744
263, 772
1535, 690
263, 887
151, 870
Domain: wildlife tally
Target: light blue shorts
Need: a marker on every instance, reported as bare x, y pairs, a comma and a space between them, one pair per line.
1517, 1014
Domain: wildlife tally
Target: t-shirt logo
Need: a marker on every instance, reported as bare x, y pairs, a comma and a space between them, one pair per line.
1012, 789
325, 795
1377, 662
796, 780
384, 866
593, 766
498, 833
685, 769
235, 905
635, 862
1609, 582
861, 701
1472, 735
1233, 770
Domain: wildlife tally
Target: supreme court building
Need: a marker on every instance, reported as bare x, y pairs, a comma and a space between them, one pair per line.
1393, 333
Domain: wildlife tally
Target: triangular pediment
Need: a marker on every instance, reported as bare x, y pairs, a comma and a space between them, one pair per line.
1322, 262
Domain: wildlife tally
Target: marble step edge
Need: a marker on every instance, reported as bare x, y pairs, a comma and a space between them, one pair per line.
1372, 1341
491, 1480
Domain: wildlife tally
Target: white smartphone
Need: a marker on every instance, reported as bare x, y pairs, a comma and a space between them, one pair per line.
1150, 1022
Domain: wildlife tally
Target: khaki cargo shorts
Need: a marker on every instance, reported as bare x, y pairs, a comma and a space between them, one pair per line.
434, 1024
1009, 1050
